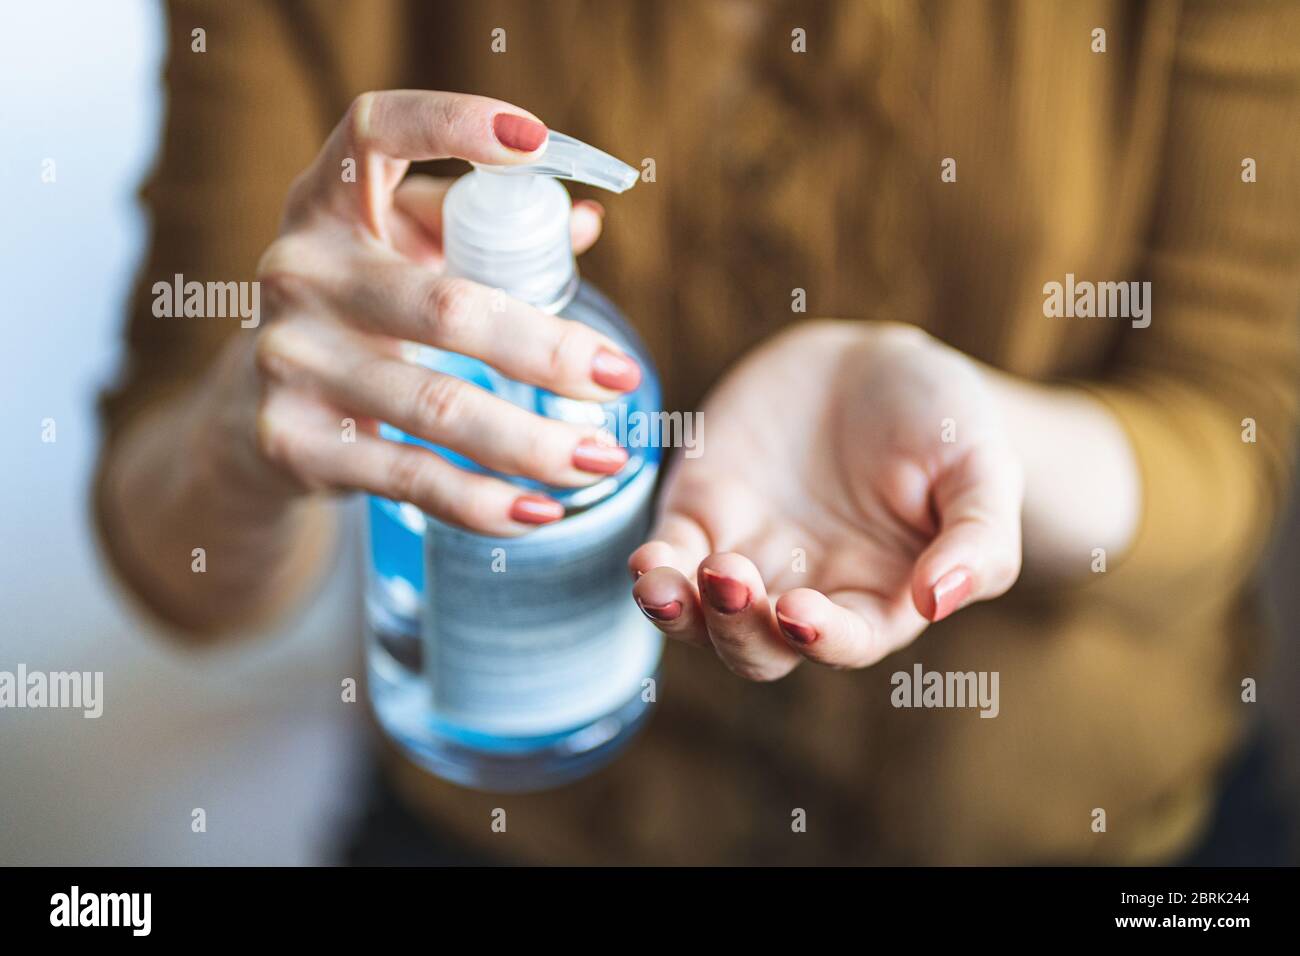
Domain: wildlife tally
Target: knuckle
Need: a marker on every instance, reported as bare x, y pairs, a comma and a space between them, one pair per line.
407, 478
451, 307
439, 401
288, 254
273, 350
358, 117
281, 350
572, 342
284, 273
276, 443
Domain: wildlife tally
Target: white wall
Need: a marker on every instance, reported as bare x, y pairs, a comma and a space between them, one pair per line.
258, 736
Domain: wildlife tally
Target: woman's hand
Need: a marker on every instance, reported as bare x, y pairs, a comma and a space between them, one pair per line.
857, 481
357, 271
230, 466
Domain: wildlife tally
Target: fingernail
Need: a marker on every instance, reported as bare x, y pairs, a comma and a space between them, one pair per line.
615, 371
725, 594
536, 509
661, 612
950, 592
595, 456
518, 132
594, 206
799, 633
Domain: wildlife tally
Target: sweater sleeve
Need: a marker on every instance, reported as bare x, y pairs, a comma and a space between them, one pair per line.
249, 100
1208, 393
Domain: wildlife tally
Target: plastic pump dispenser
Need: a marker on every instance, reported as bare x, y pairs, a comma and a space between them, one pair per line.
507, 227
524, 680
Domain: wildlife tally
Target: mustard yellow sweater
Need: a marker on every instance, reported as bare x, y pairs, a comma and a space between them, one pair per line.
823, 171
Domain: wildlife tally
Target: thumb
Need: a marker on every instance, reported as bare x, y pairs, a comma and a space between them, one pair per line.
976, 554
383, 132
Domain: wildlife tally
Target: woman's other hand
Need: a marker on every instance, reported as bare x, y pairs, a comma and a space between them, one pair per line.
857, 482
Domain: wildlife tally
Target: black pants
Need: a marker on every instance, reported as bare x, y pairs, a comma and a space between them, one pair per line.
1250, 827
1254, 824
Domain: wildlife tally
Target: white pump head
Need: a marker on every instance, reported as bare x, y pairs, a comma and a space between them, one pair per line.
508, 226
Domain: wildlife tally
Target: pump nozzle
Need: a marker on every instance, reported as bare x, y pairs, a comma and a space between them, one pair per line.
569, 158
508, 226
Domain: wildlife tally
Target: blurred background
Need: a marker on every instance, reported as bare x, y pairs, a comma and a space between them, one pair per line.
248, 734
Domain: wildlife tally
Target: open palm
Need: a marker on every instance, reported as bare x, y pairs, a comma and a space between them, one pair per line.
855, 483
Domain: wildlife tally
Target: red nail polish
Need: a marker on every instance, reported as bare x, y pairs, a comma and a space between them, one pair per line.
725, 594
615, 371
799, 633
661, 612
598, 457
950, 592
536, 509
518, 132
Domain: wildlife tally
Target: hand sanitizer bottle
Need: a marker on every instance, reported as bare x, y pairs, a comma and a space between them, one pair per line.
520, 663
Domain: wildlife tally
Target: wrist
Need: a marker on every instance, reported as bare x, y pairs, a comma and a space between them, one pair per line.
176, 488
1082, 490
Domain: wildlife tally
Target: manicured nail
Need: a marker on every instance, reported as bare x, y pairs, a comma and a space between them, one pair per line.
799, 633
536, 509
598, 457
950, 592
615, 371
518, 132
661, 612
724, 594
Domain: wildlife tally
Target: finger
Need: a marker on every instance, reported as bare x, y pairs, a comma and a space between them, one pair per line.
679, 542
416, 230
845, 629
976, 554
420, 198
351, 373
664, 569
304, 438
668, 599
406, 301
739, 619
585, 224
383, 132
702, 513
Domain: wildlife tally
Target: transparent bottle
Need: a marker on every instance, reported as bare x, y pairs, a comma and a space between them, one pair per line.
520, 663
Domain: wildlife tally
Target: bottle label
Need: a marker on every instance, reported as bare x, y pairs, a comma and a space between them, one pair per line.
537, 635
